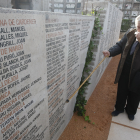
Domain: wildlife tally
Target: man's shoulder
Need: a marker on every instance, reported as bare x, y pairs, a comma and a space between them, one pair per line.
131, 30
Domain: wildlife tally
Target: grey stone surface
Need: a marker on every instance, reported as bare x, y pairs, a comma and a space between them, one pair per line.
130, 8
119, 132
58, 6
111, 18
123, 119
5, 3
41, 5
125, 128
42, 55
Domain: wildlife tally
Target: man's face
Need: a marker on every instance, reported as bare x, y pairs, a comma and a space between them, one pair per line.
138, 26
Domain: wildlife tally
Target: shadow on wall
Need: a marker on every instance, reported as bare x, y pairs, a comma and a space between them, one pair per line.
22, 4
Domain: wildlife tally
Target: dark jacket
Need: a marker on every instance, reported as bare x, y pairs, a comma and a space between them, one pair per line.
122, 47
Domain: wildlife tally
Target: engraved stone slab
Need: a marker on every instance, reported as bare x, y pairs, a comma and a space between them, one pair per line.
110, 19
41, 62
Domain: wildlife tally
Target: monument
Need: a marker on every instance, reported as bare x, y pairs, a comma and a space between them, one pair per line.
42, 55
110, 20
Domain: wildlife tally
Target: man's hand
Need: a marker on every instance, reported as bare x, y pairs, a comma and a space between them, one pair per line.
106, 53
138, 36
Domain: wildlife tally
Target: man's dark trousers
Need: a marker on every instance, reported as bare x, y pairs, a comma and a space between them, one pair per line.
124, 94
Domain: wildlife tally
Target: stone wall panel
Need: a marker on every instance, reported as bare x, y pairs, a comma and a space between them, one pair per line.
42, 56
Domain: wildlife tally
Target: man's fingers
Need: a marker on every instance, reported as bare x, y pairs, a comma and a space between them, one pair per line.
106, 53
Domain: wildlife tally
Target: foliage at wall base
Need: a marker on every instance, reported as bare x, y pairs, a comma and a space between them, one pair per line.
80, 100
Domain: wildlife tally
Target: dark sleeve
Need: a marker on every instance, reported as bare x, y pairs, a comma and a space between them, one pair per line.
118, 47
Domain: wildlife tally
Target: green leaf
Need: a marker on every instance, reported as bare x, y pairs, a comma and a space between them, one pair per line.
80, 99
89, 121
86, 118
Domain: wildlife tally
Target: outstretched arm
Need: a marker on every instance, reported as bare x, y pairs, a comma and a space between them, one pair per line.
117, 48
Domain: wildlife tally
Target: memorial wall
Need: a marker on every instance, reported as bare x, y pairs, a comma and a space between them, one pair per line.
42, 55
110, 19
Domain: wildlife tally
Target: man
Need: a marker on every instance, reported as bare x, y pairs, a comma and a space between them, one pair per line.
128, 73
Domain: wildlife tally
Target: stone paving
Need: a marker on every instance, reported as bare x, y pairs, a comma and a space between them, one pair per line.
124, 129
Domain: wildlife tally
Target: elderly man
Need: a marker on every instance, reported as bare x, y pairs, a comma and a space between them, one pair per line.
128, 73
